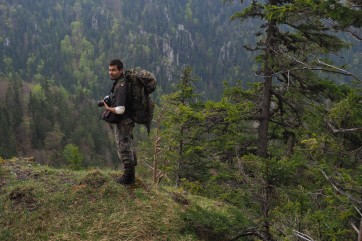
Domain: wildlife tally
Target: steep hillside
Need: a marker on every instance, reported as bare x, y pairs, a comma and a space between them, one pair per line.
71, 42
41, 203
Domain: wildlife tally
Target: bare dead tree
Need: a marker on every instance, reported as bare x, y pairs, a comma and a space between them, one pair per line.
157, 174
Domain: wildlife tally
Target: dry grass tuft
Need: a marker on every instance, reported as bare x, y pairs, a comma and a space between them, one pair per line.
59, 204
180, 199
94, 179
23, 197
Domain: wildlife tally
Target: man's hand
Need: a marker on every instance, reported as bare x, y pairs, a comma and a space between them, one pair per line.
119, 110
112, 109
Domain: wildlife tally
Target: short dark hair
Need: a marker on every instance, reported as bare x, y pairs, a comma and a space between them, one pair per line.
116, 62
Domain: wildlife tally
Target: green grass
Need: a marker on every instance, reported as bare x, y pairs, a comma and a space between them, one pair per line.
42, 203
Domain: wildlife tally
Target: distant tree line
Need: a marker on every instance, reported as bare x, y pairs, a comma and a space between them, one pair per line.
41, 120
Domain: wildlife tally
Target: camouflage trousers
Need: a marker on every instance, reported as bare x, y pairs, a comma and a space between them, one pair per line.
124, 138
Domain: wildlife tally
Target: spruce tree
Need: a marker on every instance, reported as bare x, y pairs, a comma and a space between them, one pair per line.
182, 119
294, 97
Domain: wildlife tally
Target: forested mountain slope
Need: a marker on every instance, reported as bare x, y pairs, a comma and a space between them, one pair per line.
54, 60
71, 42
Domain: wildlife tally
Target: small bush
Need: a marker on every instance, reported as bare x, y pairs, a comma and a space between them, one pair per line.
210, 223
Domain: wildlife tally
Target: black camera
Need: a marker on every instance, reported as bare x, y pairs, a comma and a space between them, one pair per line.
106, 99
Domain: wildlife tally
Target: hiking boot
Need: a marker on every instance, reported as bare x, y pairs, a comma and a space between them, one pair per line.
128, 177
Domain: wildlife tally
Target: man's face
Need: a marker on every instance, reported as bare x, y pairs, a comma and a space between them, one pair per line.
114, 72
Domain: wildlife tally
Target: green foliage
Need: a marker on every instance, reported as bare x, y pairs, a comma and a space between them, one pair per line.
181, 119
73, 156
188, 10
11, 108
210, 223
8, 142
66, 38
347, 112
36, 119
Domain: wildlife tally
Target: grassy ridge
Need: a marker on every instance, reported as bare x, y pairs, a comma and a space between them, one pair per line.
42, 203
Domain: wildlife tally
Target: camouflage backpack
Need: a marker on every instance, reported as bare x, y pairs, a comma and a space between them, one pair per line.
141, 83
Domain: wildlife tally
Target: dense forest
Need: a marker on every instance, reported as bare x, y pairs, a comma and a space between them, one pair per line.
62, 49
70, 42
259, 103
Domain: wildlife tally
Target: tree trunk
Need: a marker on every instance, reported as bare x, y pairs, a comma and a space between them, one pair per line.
264, 116
179, 164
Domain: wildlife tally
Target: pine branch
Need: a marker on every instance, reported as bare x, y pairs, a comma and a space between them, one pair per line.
282, 100
322, 66
339, 190
247, 232
335, 130
360, 231
355, 32
302, 236
338, 70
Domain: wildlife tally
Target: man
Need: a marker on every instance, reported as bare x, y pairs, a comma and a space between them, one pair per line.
122, 129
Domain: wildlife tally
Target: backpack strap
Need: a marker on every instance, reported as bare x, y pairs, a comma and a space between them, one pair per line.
113, 86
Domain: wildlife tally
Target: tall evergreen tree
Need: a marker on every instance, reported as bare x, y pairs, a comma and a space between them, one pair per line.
182, 119
294, 94
296, 36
